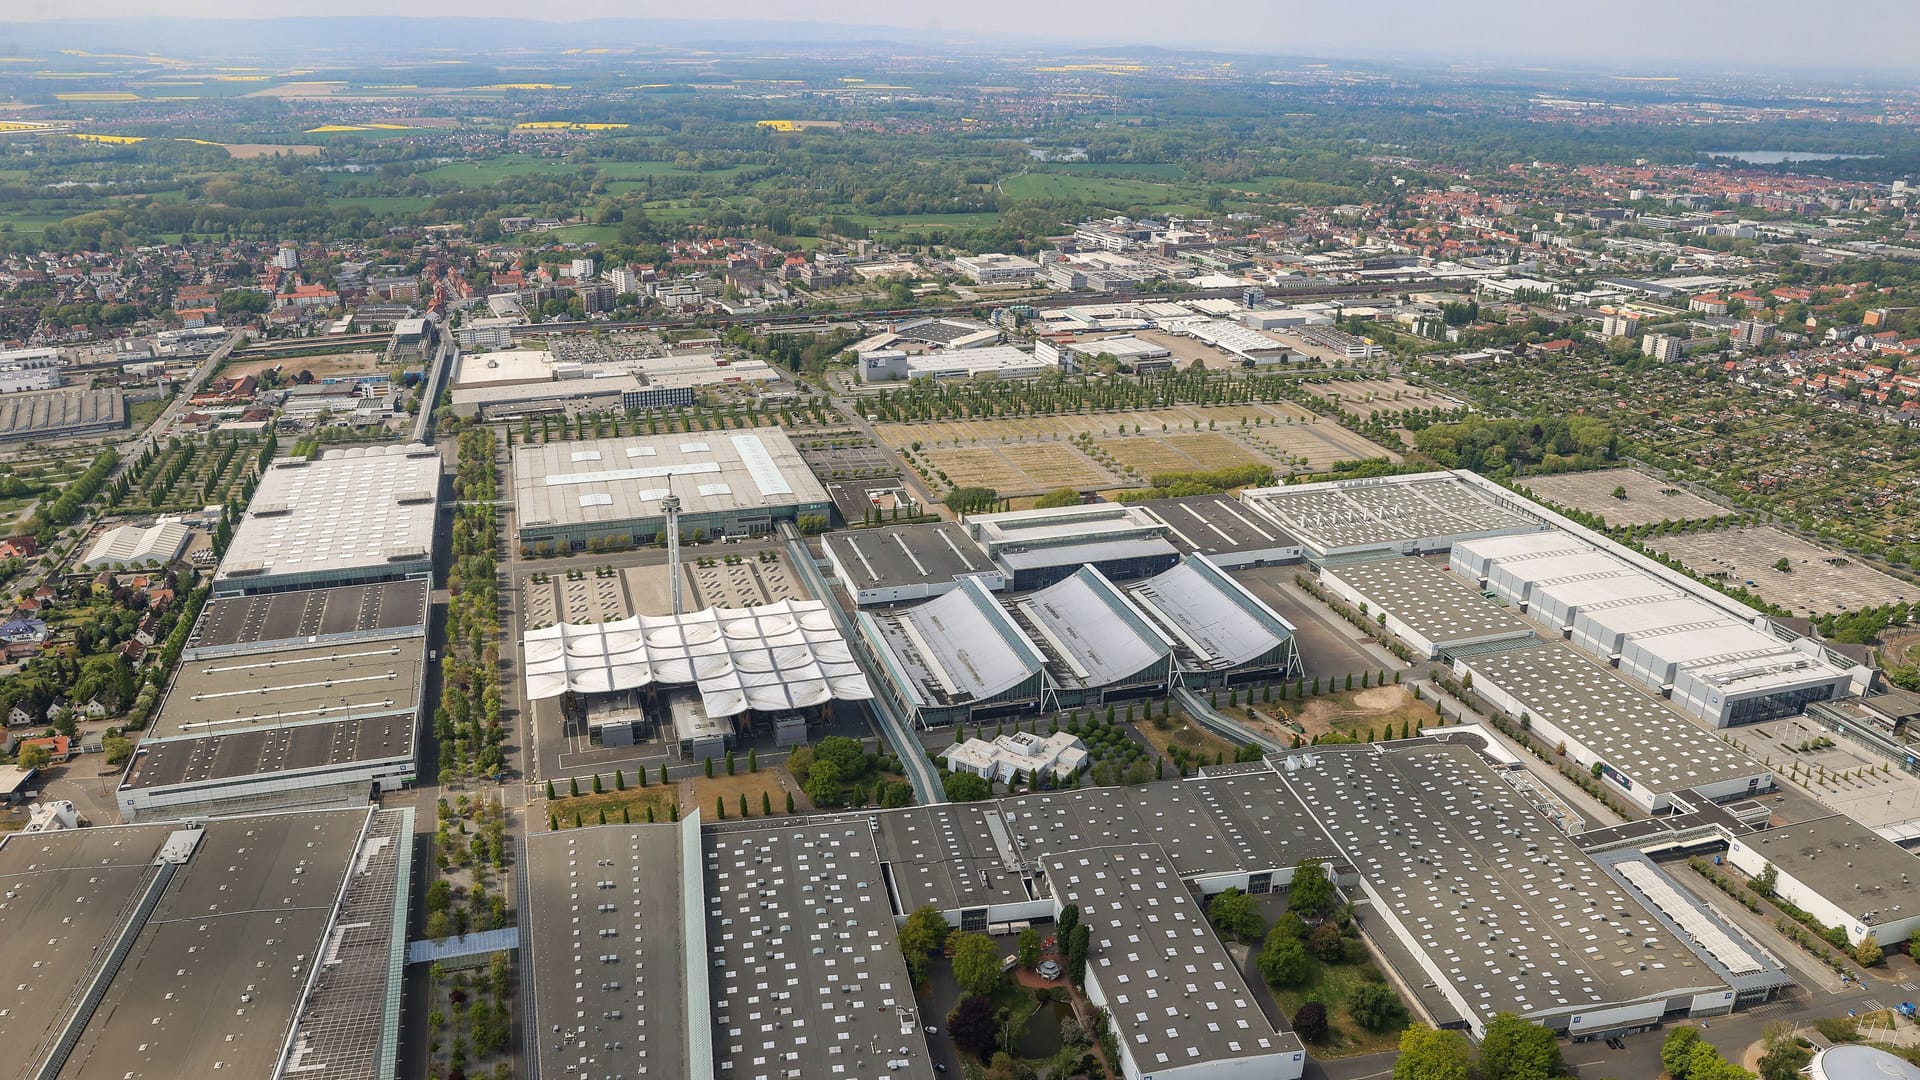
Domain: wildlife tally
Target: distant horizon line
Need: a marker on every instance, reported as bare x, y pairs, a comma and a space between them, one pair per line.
1532, 61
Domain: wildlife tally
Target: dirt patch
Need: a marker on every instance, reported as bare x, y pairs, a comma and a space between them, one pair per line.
323, 367
1356, 712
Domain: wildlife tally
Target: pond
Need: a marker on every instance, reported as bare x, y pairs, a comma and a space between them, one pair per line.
1040, 1039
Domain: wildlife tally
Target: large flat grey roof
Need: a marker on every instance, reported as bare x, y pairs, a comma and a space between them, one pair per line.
216, 974
803, 942
264, 751
351, 512
64, 892
604, 927
605, 481
1150, 942
236, 623
949, 856
1841, 859
1383, 512
302, 685
1215, 525
1507, 908
1641, 737
1434, 602
906, 555
1242, 823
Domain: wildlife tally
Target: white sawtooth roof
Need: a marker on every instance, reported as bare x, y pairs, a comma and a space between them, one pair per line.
787, 655
1218, 621
1093, 629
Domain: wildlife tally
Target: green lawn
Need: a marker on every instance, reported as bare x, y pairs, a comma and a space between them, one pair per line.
580, 234
1330, 984
1159, 170
1110, 191
486, 171
142, 413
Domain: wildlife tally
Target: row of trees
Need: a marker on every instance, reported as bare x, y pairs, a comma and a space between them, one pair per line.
1511, 1049
468, 722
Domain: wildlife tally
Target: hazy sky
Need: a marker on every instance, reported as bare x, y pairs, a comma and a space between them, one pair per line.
1749, 34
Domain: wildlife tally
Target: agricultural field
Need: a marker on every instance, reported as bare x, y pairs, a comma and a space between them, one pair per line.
1149, 455
1032, 455
1818, 581
1648, 499
1364, 397
188, 474
1015, 471
1171, 419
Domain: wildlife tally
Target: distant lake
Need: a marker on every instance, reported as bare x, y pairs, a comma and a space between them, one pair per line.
1776, 157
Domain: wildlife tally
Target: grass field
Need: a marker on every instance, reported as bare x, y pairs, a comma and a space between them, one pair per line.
140, 414
1149, 170
729, 789
1330, 984
1184, 733
635, 801
1102, 190
583, 234
1364, 397
490, 170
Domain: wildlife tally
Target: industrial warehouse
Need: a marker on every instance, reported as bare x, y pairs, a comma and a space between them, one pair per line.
570, 495
969, 655
266, 946
1490, 905
287, 699
348, 517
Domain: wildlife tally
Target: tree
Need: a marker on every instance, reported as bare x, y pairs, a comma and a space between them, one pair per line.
1283, 960
976, 963
1785, 1057
965, 787
1325, 943
1310, 1021
925, 931
1079, 943
1675, 1048
1029, 947
1516, 1049
1868, 952
1430, 1054
973, 1026
1783, 565
1311, 891
1069, 918
33, 755
1766, 881
1236, 915
1057, 498
118, 748
1375, 1006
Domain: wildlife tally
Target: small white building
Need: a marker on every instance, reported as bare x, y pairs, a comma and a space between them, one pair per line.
997, 269
1061, 753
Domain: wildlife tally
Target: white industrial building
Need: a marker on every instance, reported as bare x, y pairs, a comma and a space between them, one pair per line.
995, 269
1035, 548
989, 361
349, 517
1715, 659
137, 545
1840, 872
731, 483
957, 657
30, 369
1023, 753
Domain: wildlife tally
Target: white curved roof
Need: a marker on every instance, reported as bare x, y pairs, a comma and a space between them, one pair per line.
775, 657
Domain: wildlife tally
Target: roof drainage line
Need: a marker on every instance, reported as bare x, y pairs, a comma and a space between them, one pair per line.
104, 972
